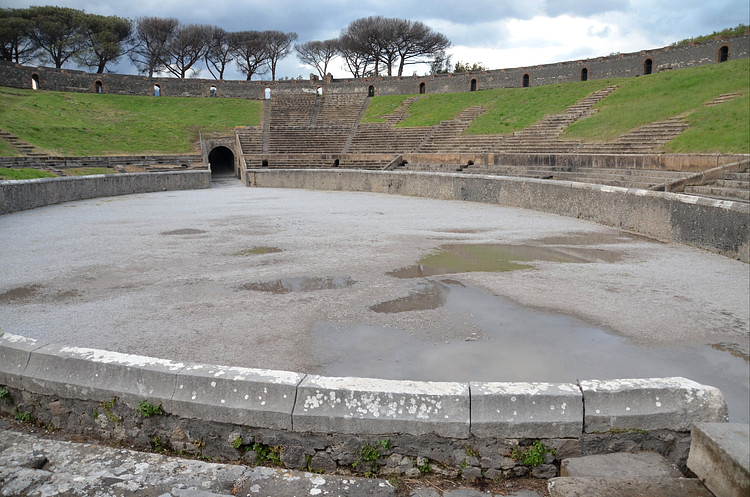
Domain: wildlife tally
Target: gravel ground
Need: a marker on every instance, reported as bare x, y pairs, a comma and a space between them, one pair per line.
177, 275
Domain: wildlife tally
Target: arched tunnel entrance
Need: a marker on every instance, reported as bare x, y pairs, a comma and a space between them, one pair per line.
222, 161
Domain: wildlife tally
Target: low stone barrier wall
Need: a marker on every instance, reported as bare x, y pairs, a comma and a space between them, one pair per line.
714, 225
29, 194
325, 423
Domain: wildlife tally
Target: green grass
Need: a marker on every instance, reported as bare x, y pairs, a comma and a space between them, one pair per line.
656, 97
381, 106
91, 124
24, 173
506, 109
6, 150
739, 30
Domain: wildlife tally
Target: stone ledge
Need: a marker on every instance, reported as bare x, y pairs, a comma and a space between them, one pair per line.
528, 410
371, 406
91, 374
719, 457
650, 404
301, 403
250, 397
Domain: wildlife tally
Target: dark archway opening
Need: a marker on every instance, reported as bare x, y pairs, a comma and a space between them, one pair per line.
473, 85
99, 87
221, 160
648, 66
584, 74
422, 88
724, 53
34, 81
371, 91
525, 81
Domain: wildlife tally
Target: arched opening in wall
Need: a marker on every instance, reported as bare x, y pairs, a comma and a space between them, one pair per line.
157, 91
267, 93
212, 92
221, 161
336, 163
371, 91
648, 66
473, 86
264, 163
34, 81
723, 53
319, 91
585, 74
422, 88
525, 80
98, 86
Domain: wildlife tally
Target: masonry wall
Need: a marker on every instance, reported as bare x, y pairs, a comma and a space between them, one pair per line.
473, 429
29, 194
617, 65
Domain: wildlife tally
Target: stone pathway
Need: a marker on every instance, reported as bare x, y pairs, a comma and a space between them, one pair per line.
35, 466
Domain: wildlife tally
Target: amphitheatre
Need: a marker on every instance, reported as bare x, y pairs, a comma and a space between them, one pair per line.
317, 280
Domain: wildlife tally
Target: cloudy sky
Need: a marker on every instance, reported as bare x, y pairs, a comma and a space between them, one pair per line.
497, 33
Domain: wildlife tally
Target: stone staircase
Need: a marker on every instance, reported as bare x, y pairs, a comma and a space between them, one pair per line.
645, 139
733, 186
448, 137
645, 474
544, 136
251, 139
25, 149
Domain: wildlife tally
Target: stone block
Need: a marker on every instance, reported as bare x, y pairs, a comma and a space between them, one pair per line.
526, 410
720, 457
664, 487
251, 397
367, 406
650, 404
100, 375
643, 465
14, 356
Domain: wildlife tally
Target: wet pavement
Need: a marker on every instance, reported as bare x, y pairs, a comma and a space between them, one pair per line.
364, 284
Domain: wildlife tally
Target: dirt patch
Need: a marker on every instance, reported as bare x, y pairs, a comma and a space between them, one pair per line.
184, 231
301, 284
21, 293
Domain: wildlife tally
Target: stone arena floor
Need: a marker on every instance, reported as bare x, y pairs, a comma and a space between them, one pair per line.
360, 284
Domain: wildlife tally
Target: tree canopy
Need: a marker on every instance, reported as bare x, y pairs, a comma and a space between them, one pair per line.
60, 36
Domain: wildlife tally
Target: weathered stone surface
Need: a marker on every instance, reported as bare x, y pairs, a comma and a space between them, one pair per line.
91, 374
251, 397
650, 404
719, 456
371, 406
14, 355
620, 465
598, 487
526, 410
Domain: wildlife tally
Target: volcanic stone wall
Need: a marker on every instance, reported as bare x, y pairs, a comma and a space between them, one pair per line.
616, 65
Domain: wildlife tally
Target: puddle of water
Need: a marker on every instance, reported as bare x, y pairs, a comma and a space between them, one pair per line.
494, 258
258, 251
301, 284
20, 293
184, 231
430, 295
519, 344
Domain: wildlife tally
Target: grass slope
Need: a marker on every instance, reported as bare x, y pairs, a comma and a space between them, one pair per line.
90, 124
638, 101
24, 173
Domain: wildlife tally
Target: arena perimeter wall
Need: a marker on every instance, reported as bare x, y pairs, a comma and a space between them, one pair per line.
611, 66
714, 225
29, 194
318, 422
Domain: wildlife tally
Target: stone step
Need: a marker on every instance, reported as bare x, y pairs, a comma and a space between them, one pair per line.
720, 457
719, 191
611, 487
623, 474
